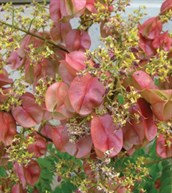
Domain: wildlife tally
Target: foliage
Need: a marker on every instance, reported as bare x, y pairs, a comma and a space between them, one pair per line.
75, 119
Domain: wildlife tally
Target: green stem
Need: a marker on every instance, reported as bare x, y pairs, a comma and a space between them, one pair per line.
12, 16
30, 24
34, 35
156, 161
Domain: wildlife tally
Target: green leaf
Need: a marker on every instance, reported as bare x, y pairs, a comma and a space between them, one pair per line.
121, 99
2, 172
166, 181
66, 187
155, 171
153, 191
166, 177
167, 167
166, 189
156, 81
47, 165
152, 150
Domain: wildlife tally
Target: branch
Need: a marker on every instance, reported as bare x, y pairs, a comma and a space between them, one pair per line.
47, 138
34, 35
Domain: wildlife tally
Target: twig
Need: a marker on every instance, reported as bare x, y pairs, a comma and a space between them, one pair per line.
47, 138
34, 35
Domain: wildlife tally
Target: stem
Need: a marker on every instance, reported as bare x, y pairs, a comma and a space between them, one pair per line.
30, 25
12, 16
156, 161
34, 35
47, 138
